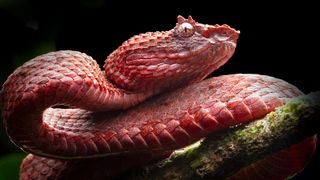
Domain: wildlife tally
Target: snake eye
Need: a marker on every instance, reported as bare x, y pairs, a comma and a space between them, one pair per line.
185, 29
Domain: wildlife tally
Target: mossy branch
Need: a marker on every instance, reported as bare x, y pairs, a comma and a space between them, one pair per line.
222, 154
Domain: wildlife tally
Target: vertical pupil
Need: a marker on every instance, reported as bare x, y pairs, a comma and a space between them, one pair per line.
186, 30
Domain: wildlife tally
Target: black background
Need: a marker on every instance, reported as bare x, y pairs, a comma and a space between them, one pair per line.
276, 39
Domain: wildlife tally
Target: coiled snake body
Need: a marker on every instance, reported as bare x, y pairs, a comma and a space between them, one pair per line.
101, 118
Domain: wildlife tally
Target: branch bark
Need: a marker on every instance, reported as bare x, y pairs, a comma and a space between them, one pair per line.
221, 155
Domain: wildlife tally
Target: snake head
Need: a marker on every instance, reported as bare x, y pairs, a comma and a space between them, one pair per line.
155, 61
213, 34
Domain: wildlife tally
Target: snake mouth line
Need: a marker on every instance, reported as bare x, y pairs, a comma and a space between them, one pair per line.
228, 48
168, 58
180, 57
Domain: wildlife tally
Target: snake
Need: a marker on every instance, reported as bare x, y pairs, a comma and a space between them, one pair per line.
80, 122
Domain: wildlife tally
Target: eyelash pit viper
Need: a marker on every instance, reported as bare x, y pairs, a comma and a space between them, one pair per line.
81, 122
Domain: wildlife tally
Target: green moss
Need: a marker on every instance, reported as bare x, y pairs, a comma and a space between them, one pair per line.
271, 115
241, 133
182, 153
192, 149
294, 107
250, 130
199, 161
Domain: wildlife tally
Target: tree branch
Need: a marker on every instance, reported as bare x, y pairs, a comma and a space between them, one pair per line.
222, 154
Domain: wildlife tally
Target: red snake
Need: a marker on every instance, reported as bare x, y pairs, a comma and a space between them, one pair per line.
81, 122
